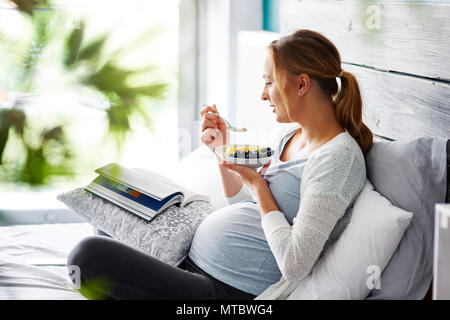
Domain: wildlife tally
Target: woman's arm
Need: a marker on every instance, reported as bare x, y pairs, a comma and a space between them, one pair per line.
255, 182
231, 181
215, 134
331, 182
264, 198
297, 247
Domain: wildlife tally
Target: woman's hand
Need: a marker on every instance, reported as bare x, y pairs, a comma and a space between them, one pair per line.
259, 186
214, 129
252, 178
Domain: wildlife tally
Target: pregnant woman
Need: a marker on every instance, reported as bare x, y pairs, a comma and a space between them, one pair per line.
280, 220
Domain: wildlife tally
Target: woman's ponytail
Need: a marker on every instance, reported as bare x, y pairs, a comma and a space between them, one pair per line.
307, 51
348, 104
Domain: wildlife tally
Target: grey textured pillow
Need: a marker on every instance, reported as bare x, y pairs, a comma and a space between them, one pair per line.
167, 237
412, 175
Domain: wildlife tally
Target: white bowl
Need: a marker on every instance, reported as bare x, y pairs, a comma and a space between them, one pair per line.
252, 163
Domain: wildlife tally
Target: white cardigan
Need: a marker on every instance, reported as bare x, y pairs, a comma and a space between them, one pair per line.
332, 179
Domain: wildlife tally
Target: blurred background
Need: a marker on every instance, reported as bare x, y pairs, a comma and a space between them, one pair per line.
86, 83
81, 85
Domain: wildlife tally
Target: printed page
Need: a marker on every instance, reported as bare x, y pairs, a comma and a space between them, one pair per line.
189, 195
151, 184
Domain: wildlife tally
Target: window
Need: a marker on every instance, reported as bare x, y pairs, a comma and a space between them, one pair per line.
139, 36
72, 94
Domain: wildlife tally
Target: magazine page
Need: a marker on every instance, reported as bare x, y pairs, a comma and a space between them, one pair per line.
151, 184
130, 206
160, 177
189, 195
127, 193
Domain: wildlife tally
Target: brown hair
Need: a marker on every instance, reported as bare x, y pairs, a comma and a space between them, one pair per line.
309, 52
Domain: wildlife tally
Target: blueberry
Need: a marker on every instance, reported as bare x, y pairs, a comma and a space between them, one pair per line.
263, 153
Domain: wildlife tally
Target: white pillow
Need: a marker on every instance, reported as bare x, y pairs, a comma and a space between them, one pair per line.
199, 172
350, 267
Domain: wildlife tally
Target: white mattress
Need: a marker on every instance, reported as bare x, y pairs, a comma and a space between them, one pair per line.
32, 260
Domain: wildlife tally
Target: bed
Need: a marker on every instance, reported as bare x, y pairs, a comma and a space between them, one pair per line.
399, 53
32, 261
33, 257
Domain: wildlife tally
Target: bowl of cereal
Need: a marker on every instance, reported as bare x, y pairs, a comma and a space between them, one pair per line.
244, 154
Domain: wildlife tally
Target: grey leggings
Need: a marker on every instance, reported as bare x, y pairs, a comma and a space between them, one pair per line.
110, 269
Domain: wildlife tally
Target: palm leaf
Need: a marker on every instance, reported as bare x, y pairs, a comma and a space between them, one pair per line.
94, 49
109, 78
73, 46
155, 91
10, 118
16, 118
28, 6
4, 132
118, 118
55, 133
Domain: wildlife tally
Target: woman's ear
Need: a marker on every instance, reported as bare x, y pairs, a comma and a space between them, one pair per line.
303, 82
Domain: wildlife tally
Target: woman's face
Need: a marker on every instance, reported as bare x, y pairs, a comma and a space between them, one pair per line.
272, 94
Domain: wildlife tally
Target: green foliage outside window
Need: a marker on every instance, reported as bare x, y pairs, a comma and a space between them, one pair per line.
87, 67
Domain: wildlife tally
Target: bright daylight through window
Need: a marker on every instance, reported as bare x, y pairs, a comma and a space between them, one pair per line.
84, 83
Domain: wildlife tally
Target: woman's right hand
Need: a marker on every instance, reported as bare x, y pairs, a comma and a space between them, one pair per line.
214, 129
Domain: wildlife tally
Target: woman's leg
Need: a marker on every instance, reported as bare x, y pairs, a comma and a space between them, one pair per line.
110, 269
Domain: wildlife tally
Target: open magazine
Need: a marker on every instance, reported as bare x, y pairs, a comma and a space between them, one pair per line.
140, 191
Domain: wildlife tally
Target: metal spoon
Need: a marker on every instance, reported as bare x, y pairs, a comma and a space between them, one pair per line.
229, 126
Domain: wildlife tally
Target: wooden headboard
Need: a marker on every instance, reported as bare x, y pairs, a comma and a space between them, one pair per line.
400, 54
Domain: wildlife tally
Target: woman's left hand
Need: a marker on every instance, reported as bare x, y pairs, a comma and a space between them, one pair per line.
249, 176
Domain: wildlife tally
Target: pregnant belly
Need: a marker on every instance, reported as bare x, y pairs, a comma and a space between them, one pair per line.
230, 244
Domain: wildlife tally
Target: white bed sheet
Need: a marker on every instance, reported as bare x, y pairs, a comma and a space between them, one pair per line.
23, 246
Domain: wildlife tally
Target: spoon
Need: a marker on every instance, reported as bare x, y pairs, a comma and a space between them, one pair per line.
229, 126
